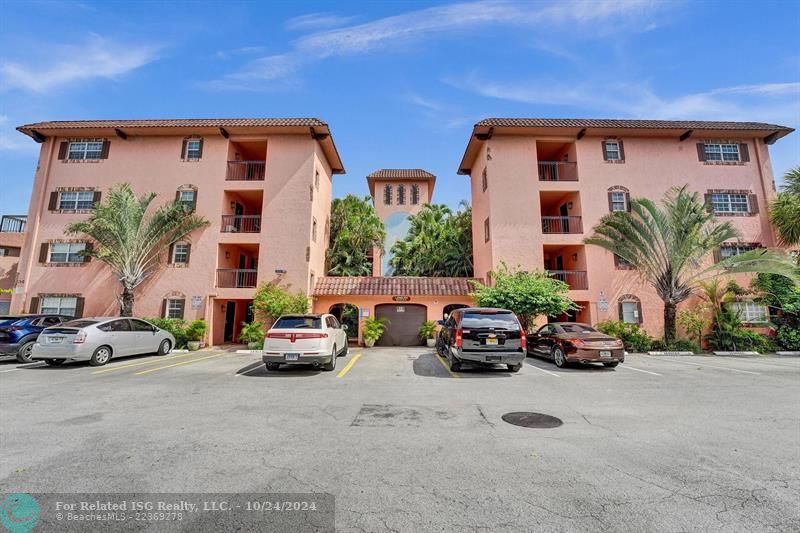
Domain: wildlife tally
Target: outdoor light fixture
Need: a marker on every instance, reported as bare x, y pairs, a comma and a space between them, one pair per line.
569, 205
280, 271
574, 257
227, 254
233, 205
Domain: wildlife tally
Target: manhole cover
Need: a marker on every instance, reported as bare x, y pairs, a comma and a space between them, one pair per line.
532, 420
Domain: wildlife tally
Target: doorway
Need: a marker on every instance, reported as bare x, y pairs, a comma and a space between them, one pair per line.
230, 321
403, 322
564, 212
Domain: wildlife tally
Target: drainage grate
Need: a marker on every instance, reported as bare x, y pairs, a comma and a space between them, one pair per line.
532, 420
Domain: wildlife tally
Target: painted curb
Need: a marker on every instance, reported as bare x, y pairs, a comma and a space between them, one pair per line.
670, 353
735, 353
788, 353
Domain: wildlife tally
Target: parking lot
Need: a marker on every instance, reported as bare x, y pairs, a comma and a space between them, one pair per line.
657, 444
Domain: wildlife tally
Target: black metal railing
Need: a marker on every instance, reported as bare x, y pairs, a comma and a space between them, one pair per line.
241, 223
236, 278
570, 224
13, 223
576, 279
245, 171
558, 171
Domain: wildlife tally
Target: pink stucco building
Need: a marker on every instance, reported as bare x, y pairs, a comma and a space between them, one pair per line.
539, 186
264, 185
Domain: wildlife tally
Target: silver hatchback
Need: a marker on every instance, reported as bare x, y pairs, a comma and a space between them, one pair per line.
97, 340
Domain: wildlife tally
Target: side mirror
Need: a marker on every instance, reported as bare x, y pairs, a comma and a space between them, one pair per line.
440, 322
344, 327
155, 330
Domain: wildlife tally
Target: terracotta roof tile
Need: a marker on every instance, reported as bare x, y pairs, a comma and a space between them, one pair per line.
401, 173
174, 123
392, 286
626, 123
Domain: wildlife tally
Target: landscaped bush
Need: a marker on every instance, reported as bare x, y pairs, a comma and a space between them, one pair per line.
175, 326
678, 345
739, 339
635, 338
789, 337
252, 333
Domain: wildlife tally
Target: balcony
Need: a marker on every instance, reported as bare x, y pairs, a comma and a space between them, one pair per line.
245, 171
558, 171
576, 279
241, 223
568, 224
237, 278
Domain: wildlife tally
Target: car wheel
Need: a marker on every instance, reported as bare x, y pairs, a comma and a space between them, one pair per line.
455, 364
165, 347
611, 365
515, 368
100, 356
273, 366
345, 351
330, 366
24, 352
55, 362
558, 357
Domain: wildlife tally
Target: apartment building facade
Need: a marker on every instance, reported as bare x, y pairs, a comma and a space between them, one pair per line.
12, 236
539, 186
264, 185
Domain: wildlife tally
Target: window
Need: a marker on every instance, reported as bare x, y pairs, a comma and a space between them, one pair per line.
486, 230
115, 325
612, 151
298, 322
180, 253
750, 311
484, 180
490, 320
387, 195
141, 325
50, 321
186, 197
83, 150
316, 179
415, 194
10, 251
314, 229
619, 201
630, 312
76, 200
66, 252
730, 203
311, 193
721, 152
59, 305
193, 149
401, 195
174, 308
737, 249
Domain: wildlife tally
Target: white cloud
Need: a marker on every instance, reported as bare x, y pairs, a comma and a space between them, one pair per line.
96, 58
317, 20
13, 141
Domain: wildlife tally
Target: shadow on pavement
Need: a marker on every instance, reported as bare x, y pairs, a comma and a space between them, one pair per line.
428, 365
259, 370
546, 364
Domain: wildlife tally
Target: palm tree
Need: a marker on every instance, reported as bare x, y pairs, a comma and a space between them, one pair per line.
130, 241
784, 213
668, 245
355, 229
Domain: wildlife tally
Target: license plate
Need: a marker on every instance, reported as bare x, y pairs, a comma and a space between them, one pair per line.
492, 358
491, 342
292, 356
605, 353
54, 340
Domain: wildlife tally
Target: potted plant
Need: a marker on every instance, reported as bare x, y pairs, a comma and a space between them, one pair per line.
194, 334
253, 335
427, 332
373, 329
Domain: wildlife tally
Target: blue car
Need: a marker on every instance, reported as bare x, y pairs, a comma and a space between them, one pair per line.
19, 333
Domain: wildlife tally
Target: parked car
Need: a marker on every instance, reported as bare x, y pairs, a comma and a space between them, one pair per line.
483, 336
19, 333
572, 342
97, 340
316, 339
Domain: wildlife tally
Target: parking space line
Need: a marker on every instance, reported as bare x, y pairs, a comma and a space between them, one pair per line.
143, 372
140, 363
703, 364
259, 366
348, 366
9, 370
628, 367
543, 370
453, 374
25, 365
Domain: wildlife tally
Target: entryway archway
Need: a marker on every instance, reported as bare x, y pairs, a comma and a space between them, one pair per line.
450, 308
347, 314
403, 322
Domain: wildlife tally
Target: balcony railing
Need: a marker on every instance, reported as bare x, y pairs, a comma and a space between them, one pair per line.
241, 223
558, 171
236, 278
576, 279
562, 225
13, 223
245, 171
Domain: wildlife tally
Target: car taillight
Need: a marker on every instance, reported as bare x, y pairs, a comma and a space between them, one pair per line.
80, 338
578, 343
459, 338
523, 339
311, 335
274, 335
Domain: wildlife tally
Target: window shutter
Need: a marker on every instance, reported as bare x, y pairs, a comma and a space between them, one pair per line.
194, 200
79, 305
87, 252
106, 147
308, 253
34, 308
753, 204
707, 199
177, 196
96, 199
171, 253
53, 201
610, 203
701, 151
628, 201
164, 308
182, 307
201, 149
183, 149
188, 253
43, 252
63, 148
619, 309
744, 153
621, 150
639, 308
605, 153
717, 255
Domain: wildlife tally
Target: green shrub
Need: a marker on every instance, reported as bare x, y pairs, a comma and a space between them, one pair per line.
175, 326
252, 332
271, 301
374, 328
635, 338
196, 330
427, 330
789, 338
678, 345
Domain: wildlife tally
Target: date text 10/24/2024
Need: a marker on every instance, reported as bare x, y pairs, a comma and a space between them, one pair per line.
186, 506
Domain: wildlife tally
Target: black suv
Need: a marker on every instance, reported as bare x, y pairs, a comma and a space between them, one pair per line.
483, 336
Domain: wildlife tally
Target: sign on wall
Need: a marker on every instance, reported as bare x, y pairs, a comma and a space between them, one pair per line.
364, 312
602, 303
401, 298
197, 302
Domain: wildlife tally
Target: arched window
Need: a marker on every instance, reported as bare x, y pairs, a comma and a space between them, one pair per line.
630, 309
415, 194
387, 194
187, 195
401, 195
619, 198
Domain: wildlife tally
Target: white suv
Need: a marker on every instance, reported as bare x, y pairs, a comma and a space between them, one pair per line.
305, 339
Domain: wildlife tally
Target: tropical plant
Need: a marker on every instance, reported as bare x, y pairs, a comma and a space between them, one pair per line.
632, 336
527, 294
784, 212
782, 296
694, 321
270, 301
176, 326
131, 241
438, 244
196, 330
355, 229
727, 329
427, 330
373, 328
678, 345
668, 245
252, 332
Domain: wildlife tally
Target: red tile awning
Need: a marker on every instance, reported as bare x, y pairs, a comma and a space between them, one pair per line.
393, 286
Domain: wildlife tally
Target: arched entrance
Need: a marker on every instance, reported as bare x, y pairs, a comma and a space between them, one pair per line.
450, 308
403, 322
347, 314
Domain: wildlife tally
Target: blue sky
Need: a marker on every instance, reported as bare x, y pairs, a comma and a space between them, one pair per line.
400, 83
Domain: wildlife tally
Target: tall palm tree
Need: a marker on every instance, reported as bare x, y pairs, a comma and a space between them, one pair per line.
668, 245
784, 213
130, 241
355, 229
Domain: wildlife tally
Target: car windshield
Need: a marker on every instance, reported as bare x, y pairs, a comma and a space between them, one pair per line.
298, 322
11, 320
80, 323
490, 320
577, 328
